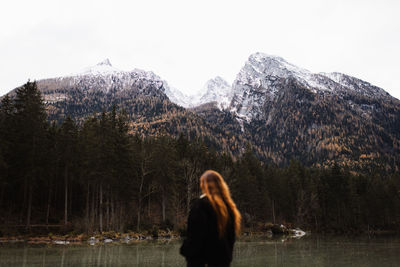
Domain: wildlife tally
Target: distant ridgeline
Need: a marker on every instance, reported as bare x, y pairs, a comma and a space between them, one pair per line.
139, 170
284, 112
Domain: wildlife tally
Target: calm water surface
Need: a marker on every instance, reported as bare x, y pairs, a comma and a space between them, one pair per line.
308, 251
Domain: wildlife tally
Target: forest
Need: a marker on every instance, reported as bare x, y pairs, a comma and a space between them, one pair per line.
96, 176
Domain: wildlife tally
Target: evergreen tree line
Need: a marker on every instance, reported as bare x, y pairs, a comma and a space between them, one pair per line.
97, 177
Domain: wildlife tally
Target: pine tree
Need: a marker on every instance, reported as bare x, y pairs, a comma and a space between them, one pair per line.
31, 132
6, 141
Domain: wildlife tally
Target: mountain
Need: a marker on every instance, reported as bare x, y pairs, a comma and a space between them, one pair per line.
283, 111
106, 79
145, 97
263, 76
97, 88
215, 90
319, 118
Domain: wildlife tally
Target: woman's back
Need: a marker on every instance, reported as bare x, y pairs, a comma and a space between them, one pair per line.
203, 243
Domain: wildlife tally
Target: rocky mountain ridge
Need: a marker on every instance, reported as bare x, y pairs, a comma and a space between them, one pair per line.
260, 80
104, 78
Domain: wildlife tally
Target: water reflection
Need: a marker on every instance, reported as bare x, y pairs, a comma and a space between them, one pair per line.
309, 251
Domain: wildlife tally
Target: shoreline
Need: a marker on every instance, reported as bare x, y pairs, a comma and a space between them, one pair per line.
104, 238
131, 236
270, 232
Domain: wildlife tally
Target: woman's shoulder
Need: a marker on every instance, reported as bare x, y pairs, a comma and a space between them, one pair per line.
203, 200
200, 202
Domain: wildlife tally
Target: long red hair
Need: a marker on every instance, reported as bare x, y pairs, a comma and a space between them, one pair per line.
217, 191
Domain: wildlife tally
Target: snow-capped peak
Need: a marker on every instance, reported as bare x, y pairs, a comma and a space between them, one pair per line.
217, 90
273, 62
260, 65
263, 75
104, 77
105, 62
102, 68
216, 83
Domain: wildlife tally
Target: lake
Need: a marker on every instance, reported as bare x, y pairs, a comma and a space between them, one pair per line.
311, 250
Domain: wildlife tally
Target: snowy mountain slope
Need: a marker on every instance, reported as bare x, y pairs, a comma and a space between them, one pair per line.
102, 68
104, 77
260, 80
263, 76
215, 90
107, 79
178, 97
355, 84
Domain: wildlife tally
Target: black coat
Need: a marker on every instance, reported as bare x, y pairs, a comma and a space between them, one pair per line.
203, 244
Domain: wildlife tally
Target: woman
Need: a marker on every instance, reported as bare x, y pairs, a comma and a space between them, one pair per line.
213, 224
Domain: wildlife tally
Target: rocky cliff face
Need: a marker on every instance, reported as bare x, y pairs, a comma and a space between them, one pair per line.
263, 77
318, 118
216, 90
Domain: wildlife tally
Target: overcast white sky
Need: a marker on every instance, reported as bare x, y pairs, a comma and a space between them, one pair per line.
188, 42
